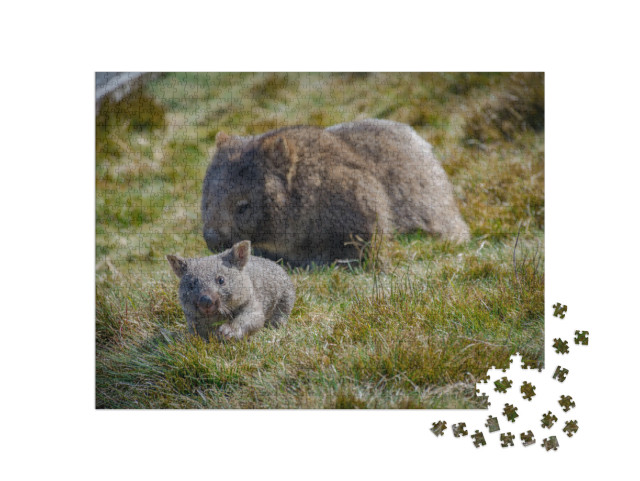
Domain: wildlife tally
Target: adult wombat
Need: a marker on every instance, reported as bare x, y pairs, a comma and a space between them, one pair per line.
304, 193
233, 294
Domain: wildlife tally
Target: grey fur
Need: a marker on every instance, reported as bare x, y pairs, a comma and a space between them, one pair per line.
303, 193
254, 292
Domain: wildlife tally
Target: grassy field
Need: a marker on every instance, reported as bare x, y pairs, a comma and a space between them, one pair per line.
414, 326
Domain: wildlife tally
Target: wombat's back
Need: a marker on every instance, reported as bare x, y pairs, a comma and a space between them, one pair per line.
419, 190
273, 288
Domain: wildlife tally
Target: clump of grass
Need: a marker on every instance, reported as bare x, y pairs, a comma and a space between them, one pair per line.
438, 332
110, 319
463, 83
348, 399
373, 253
123, 313
517, 108
270, 86
135, 111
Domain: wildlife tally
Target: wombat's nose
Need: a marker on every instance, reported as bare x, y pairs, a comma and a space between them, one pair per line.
205, 301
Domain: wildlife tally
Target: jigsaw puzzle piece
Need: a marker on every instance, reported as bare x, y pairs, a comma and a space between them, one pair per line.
570, 427
527, 438
550, 443
478, 439
560, 374
439, 428
459, 430
502, 385
511, 412
548, 420
492, 424
559, 310
506, 439
528, 390
566, 402
561, 347
582, 337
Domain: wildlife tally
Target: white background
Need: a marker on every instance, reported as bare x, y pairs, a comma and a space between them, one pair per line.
49, 426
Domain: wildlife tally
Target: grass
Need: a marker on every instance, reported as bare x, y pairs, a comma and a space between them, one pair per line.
414, 326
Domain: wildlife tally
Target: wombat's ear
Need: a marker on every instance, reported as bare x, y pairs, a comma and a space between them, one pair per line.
222, 138
240, 253
178, 264
281, 154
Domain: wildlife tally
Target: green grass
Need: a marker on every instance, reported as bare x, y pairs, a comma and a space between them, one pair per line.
413, 327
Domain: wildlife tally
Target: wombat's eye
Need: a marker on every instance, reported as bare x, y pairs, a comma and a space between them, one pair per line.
191, 284
243, 206
220, 280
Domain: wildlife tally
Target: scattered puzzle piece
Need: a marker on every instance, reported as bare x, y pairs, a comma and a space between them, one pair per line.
478, 439
560, 374
566, 402
582, 337
550, 443
503, 384
439, 427
511, 412
528, 390
548, 420
527, 438
492, 424
507, 439
559, 310
570, 427
459, 430
561, 347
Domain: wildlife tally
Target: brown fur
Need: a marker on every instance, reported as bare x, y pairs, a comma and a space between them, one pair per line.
232, 294
303, 193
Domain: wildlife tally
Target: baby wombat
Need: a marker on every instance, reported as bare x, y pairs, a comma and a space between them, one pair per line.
305, 193
232, 294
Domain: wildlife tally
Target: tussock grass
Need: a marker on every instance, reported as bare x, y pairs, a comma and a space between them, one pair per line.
136, 111
519, 107
414, 325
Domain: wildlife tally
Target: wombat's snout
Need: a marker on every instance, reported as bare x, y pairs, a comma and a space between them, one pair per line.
208, 305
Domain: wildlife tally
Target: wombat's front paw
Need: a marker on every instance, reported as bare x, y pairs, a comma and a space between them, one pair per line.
227, 331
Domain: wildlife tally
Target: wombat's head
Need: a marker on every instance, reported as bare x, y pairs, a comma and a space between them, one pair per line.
243, 190
215, 286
